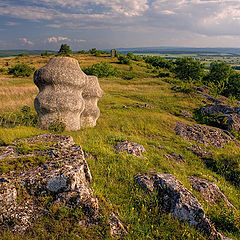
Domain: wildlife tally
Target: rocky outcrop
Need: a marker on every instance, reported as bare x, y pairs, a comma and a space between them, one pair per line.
117, 230
131, 148
66, 94
208, 136
62, 174
176, 199
209, 190
225, 116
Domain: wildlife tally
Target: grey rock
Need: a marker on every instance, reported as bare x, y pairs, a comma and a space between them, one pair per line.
198, 151
65, 175
175, 156
66, 94
209, 190
91, 94
145, 181
228, 117
131, 148
117, 230
185, 114
208, 136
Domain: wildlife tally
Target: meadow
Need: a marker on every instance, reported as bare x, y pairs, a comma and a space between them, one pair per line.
121, 119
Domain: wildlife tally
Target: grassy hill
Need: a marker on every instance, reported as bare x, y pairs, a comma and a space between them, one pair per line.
121, 119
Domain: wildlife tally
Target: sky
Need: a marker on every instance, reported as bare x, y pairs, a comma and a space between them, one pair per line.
105, 24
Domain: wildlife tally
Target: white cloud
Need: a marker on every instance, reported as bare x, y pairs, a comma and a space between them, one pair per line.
11, 24
52, 40
25, 41
79, 40
58, 39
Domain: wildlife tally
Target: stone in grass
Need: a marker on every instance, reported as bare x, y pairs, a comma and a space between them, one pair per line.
117, 230
185, 114
198, 151
64, 175
131, 148
208, 136
209, 190
180, 202
145, 181
175, 156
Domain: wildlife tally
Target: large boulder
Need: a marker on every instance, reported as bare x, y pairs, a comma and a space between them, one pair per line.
66, 94
177, 200
54, 166
208, 136
223, 115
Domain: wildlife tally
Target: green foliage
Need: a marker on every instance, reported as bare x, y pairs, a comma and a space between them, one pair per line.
218, 76
159, 62
102, 69
188, 69
56, 126
45, 53
233, 86
21, 70
25, 118
130, 55
163, 74
184, 87
123, 59
64, 50
96, 52
2, 70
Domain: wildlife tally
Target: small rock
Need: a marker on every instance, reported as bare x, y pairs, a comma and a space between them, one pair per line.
131, 148
175, 156
208, 136
117, 230
209, 190
186, 114
145, 105
198, 151
145, 181
161, 147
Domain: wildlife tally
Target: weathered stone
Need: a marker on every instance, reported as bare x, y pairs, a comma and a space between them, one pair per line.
198, 151
91, 94
65, 176
209, 190
131, 148
145, 105
185, 114
208, 136
177, 200
66, 94
175, 156
226, 116
145, 181
117, 230
113, 53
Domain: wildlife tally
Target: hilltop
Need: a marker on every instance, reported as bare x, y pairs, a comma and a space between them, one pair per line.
144, 105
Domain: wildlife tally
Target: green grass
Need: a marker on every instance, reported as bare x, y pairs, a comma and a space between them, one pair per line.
113, 173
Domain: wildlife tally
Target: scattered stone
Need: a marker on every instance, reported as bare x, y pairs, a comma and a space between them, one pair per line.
145, 181
225, 116
161, 147
64, 175
186, 114
175, 156
209, 190
198, 151
208, 136
179, 202
117, 230
145, 105
131, 148
66, 94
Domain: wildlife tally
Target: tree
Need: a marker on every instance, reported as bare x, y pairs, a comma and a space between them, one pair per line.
218, 76
186, 69
21, 70
123, 59
64, 50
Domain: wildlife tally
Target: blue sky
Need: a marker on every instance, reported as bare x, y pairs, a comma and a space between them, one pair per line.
84, 24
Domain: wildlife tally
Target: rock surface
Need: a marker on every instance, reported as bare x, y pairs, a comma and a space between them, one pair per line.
117, 230
226, 116
64, 176
131, 148
179, 201
209, 190
65, 92
185, 114
208, 136
198, 151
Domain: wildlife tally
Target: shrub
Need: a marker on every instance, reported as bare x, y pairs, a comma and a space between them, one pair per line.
2, 70
124, 60
102, 69
185, 87
64, 50
162, 75
21, 70
188, 69
57, 126
159, 62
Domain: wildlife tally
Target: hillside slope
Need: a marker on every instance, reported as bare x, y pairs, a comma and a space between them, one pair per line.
143, 110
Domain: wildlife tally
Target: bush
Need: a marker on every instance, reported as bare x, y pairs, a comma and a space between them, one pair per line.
64, 50
102, 69
159, 62
162, 75
188, 69
233, 86
2, 70
124, 60
21, 70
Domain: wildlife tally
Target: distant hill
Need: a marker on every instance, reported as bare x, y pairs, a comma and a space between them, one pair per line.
9, 53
